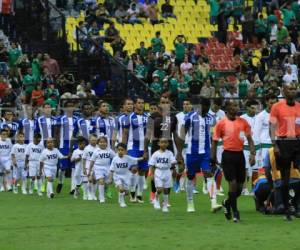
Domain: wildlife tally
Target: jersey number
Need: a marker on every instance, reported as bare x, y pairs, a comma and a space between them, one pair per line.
164, 126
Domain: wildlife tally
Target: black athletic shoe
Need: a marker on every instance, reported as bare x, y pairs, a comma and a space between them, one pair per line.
288, 214
297, 214
226, 208
236, 217
52, 196
139, 199
59, 188
72, 192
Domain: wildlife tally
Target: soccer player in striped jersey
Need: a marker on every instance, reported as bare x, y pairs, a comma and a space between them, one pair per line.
5, 161
186, 108
45, 123
105, 124
86, 124
9, 123
127, 108
261, 129
218, 114
250, 117
27, 124
135, 131
64, 131
197, 131
18, 163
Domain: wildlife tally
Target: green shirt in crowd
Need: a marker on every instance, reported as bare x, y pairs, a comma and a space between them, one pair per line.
260, 26
156, 43
214, 8
29, 83
173, 85
156, 87
161, 73
282, 34
13, 56
142, 52
36, 68
288, 15
179, 51
182, 85
243, 88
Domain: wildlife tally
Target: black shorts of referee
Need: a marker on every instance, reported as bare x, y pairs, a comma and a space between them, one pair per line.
234, 166
289, 149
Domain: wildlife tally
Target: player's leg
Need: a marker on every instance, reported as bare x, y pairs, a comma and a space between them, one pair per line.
100, 177
77, 180
7, 175
167, 183
24, 175
49, 174
73, 183
192, 164
15, 180
159, 188
39, 181
63, 166
133, 184
248, 173
219, 172
142, 168
2, 169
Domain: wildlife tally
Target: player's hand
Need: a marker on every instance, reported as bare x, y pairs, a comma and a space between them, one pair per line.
252, 160
179, 159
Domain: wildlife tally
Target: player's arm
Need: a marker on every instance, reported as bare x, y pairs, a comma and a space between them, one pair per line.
92, 163
252, 149
41, 167
149, 136
181, 139
273, 122
13, 160
84, 166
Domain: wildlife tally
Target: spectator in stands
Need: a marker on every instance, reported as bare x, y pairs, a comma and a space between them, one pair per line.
13, 56
36, 65
81, 33
133, 14
289, 76
214, 10
111, 33
185, 66
37, 96
23, 64
3, 58
195, 85
282, 33
29, 84
51, 90
237, 10
243, 86
140, 70
283, 50
231, 93
3, 86
247, 25
117, 44
46, 78
52, 101
180, 45
10, 98
167, 10
261, 28
142, 51
121, 14
208, 91
153, 14
288, 15
236, 37
182, 90
156, 86
156, 42
51, 64
273, 31
203, 67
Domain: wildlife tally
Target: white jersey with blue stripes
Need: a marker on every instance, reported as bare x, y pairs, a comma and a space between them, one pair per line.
120, 125
137, 124
105, 127
45, 126
66, 126
27, 126
197, 132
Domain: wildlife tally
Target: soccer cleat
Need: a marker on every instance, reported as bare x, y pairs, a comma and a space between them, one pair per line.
30, 191
15, 190
226, 207
215, 208
2, 189
40, 193
195, 191
156, 205
140, 199
245, 192
90, 197
297, 214
24, 191
102, 201
133, 199
59, 188
51, 196
220, 193
43, 188
123, 204
94, 198
168, 205
165, 209
204, 190
236, 217
145, 186
72, 192
190, 207
85, 198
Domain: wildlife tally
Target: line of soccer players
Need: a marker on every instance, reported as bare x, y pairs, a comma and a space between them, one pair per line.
125, 149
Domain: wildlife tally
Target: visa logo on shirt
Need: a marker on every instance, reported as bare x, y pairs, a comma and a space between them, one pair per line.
163, 160
104, 155
121, 165
21, 150
52, 157
36, 150
90, 154
4, 146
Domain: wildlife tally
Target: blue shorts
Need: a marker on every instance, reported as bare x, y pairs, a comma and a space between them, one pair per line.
197, 162
143, 165
65, 163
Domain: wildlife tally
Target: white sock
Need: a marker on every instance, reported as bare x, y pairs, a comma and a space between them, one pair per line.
61, 176
77, 180
140, 186
166, 199
189, 190
101, 192
157, 197
73, 183
8, 180
49, 188
94, 189
1, 181
85, 188
211, 188
133, 182
181, 182
121, 197
89, 190
24, 184
39, 185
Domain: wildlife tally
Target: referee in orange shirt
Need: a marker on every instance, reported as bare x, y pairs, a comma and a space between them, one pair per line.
285, 135
232, 130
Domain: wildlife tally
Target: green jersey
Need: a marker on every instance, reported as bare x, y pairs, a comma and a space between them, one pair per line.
13, 56
156, 43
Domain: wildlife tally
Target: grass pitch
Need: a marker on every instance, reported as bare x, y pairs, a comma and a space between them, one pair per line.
32, 222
